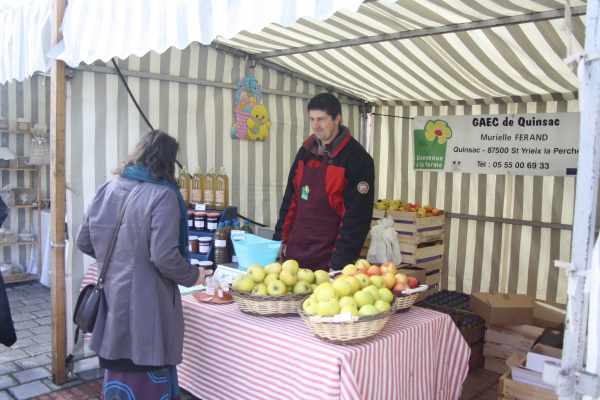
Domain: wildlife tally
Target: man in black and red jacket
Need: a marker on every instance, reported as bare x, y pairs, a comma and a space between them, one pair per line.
328, 204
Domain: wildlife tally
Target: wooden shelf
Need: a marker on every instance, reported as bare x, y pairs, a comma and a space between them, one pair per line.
19, 278
18, 243
18, 169
24, 206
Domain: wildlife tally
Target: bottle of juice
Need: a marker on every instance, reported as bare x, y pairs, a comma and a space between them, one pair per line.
221, 188
197, 193
184, 183
208, 188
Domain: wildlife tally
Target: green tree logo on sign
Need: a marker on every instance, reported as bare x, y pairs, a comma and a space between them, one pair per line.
430, 144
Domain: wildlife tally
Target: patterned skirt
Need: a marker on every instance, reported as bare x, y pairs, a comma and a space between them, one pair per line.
159, 384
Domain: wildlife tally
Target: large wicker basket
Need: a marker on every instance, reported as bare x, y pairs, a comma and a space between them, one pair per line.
268, 305
348, 332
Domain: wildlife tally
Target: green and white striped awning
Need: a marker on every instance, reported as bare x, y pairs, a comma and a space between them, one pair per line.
433, 50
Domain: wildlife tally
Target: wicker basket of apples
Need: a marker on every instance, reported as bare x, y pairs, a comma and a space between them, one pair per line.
349, 309
407, 290
275, 289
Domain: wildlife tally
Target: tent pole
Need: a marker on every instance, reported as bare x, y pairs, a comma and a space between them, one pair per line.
57, 224
571, 381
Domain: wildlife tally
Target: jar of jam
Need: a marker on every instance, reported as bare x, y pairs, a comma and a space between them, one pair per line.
199, 220
204, 245
194, 244
190, 219
212, 221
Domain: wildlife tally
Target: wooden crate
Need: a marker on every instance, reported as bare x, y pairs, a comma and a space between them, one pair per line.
414, 254
511, 390
413, 229
497, 365
434, 278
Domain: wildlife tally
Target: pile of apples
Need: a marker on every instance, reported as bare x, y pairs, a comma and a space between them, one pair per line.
279, 279
398, 205
360, 290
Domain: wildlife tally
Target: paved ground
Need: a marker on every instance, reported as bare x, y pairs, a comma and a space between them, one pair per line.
25, 367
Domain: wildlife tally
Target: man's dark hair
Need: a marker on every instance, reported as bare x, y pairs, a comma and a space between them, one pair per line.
157, 151
326, 102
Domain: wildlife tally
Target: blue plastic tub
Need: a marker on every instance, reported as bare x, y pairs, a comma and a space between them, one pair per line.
251, 249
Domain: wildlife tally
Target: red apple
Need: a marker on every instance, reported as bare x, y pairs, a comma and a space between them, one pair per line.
373, 270
399, 287
412, 282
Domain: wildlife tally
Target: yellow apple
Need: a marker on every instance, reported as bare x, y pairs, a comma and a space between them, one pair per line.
257, 272
260, 290
389, 280
276, 288
342, 287
355, 283
377, 280
288, 277
306, 275
350, 269
363, 280
291, 266
325, 292
363, 297
274, 268
382, 306
368, 310
321, 276
328, 308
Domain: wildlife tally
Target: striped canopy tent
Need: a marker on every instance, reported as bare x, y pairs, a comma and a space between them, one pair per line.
454, 57
431, 50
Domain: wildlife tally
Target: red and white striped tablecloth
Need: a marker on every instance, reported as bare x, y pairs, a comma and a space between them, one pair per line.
228, 355
420, 354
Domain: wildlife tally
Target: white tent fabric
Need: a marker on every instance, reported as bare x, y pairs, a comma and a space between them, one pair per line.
101, 29
503, 61
24, 37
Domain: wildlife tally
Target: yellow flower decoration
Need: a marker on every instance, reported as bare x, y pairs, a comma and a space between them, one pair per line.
437, 129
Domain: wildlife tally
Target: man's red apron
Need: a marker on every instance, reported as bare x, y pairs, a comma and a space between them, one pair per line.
313, 234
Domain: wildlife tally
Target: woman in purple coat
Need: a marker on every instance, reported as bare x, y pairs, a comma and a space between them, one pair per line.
138, 334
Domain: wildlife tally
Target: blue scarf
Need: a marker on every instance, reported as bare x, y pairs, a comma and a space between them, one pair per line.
140, 173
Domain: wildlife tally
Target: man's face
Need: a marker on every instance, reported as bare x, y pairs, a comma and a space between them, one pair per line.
323, 125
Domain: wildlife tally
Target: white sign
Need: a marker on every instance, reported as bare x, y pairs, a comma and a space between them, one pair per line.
521, 144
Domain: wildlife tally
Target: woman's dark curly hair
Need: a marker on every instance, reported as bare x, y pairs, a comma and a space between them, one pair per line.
157, 151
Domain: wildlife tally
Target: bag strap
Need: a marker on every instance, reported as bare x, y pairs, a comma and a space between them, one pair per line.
113, 240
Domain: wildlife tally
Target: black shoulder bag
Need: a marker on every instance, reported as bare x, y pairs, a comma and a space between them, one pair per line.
92, 295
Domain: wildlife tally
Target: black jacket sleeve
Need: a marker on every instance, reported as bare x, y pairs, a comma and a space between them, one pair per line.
288, 199
7, 329
358, 211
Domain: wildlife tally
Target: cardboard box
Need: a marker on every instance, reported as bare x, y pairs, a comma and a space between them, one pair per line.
497, 365
548, 316
524, 380
502, 309
510, 389
519, 338
497, 350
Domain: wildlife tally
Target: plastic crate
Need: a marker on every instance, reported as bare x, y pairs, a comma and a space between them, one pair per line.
251, 249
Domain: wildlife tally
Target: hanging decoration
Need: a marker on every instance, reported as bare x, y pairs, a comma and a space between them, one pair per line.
250, 116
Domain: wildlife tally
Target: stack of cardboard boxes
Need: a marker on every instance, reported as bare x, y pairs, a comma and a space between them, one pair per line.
515, 341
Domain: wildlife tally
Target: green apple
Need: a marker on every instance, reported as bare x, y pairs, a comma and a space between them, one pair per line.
342, 287
325, 292
374, 290
288, 278
347, 300
386, 295
363, 280
257, 272
313, 286
378, 281
301, 287
321, 276
350, 269
270, 278
356, 286
306, 275
349, 308
260, 290
363, 298
328, 308
274, 268
382, 306
368, 310
245, 284
291, 266
276, 288
309, 307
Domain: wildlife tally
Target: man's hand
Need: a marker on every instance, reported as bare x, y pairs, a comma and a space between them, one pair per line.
203, 273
